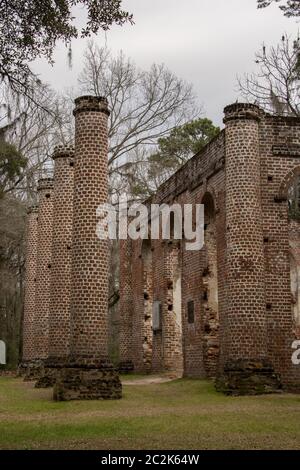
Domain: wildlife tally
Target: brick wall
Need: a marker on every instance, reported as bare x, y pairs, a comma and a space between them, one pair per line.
229, 309
246, 172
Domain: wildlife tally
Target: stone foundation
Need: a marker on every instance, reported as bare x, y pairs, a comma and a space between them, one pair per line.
87, 381
248, 377
48, 378
22, 368
34, 370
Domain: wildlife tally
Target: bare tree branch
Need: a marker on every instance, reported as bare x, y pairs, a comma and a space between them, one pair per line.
276, 86
144, 105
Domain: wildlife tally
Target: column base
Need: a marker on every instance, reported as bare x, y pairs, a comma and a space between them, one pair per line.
22, 368
248, 377
47, 379
126, 367
84, 380
52, 365
34, 370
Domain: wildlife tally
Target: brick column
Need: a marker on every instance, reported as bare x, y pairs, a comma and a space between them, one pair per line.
244, 343
43, 275
59, 319
126, 307
89, 374
28, 353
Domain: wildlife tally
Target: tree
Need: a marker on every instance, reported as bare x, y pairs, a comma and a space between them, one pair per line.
172, 152
276, 86
33, 131
144, 105
290, 7
187, 140
30, 29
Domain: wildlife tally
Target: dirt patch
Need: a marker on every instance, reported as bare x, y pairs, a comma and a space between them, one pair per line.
149, 380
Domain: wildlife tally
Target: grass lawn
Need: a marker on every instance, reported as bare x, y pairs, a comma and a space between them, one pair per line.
183, 414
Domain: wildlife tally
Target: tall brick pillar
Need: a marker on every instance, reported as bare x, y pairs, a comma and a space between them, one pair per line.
88, 373
43, 272
246, 368
28, 353
59, 313
126, 307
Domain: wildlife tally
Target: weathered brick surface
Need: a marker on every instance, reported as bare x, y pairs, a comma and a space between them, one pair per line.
125, 337
238, 287
89, 254
294, 239
175, 347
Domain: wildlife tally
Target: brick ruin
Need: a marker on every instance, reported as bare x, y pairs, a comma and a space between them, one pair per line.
231, 310
228, 312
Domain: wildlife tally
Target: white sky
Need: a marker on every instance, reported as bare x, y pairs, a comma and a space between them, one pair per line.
205, 42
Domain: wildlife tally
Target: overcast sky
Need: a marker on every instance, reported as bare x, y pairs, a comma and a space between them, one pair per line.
205, 42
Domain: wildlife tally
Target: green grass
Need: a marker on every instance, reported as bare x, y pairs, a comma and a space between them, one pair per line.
174, 415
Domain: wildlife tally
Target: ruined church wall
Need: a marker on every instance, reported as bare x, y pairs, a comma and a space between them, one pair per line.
280, 164
203, 173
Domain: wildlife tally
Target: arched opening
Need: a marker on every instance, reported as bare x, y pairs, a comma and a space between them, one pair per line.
148, 304
210, 289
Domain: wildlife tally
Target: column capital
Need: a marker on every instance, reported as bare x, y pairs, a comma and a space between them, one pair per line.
89, 103
242, 111
61, 151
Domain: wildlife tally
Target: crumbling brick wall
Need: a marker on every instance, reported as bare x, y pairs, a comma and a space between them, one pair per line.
246, 171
